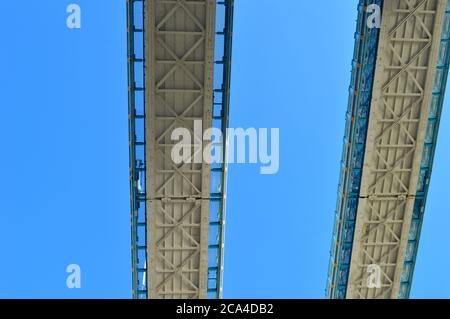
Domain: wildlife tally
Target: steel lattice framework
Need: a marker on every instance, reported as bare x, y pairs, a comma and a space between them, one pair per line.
386, 174
404, 77
177, 230
179, 82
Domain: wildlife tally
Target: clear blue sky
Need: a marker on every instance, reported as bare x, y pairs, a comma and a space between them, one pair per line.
64, 142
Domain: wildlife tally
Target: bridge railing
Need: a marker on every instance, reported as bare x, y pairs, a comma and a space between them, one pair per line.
137, 159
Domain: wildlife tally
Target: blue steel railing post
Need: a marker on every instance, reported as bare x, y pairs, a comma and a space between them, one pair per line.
229, 8
136, 124
130, 48
221, 102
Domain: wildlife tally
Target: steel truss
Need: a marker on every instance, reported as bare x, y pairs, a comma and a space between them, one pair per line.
177, 244
385, 174
405, 70
426, 165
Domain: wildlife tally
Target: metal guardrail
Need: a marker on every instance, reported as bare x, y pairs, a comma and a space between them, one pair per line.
136, 127
357, 119
221, 104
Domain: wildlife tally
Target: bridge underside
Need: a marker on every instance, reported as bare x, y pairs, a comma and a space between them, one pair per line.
382, 198
179, 83
179, 54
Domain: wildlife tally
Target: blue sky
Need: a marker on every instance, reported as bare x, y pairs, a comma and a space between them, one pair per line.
64, 194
